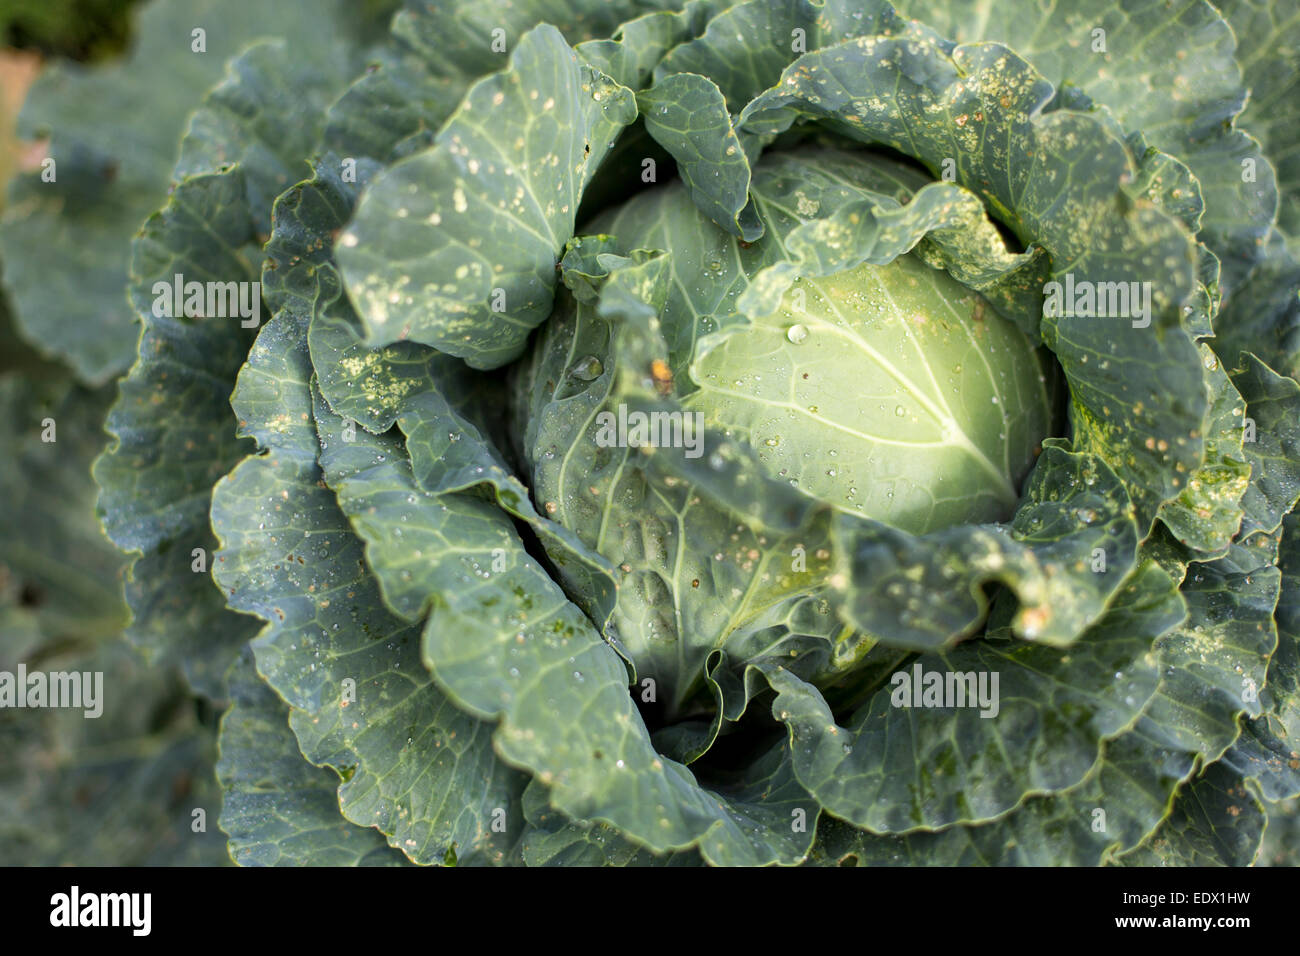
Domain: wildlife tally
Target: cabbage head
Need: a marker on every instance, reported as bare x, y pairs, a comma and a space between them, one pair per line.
709, 432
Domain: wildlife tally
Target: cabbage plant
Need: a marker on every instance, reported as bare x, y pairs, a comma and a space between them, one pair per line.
632, 432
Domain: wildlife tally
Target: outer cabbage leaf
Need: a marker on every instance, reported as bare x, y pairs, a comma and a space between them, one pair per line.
414, 82
451, 442
503, 640
554, 840
1164, 69
1273, 445
1067, 549
1216, 820
745, 48
687, 115
1282, 836
1209, 668
460, 36
631, 54
368, 386
1207, 514
900, 765
277, 808
1268, 51
418, 257
175, 437
1269, 747
413, 765
175, 434
1263, 316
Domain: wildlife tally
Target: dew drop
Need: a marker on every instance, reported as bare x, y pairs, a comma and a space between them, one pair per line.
586, 369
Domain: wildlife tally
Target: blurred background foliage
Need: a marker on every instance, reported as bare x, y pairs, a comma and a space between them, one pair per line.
78, 29
134, 787
85, 30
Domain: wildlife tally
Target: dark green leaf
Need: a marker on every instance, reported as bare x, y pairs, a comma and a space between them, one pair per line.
456, 246
1215, 821
1003, 720
687, 116
1272, 446
414, 766
277, 808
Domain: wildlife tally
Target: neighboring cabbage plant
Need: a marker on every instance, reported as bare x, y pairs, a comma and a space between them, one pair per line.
751, 433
